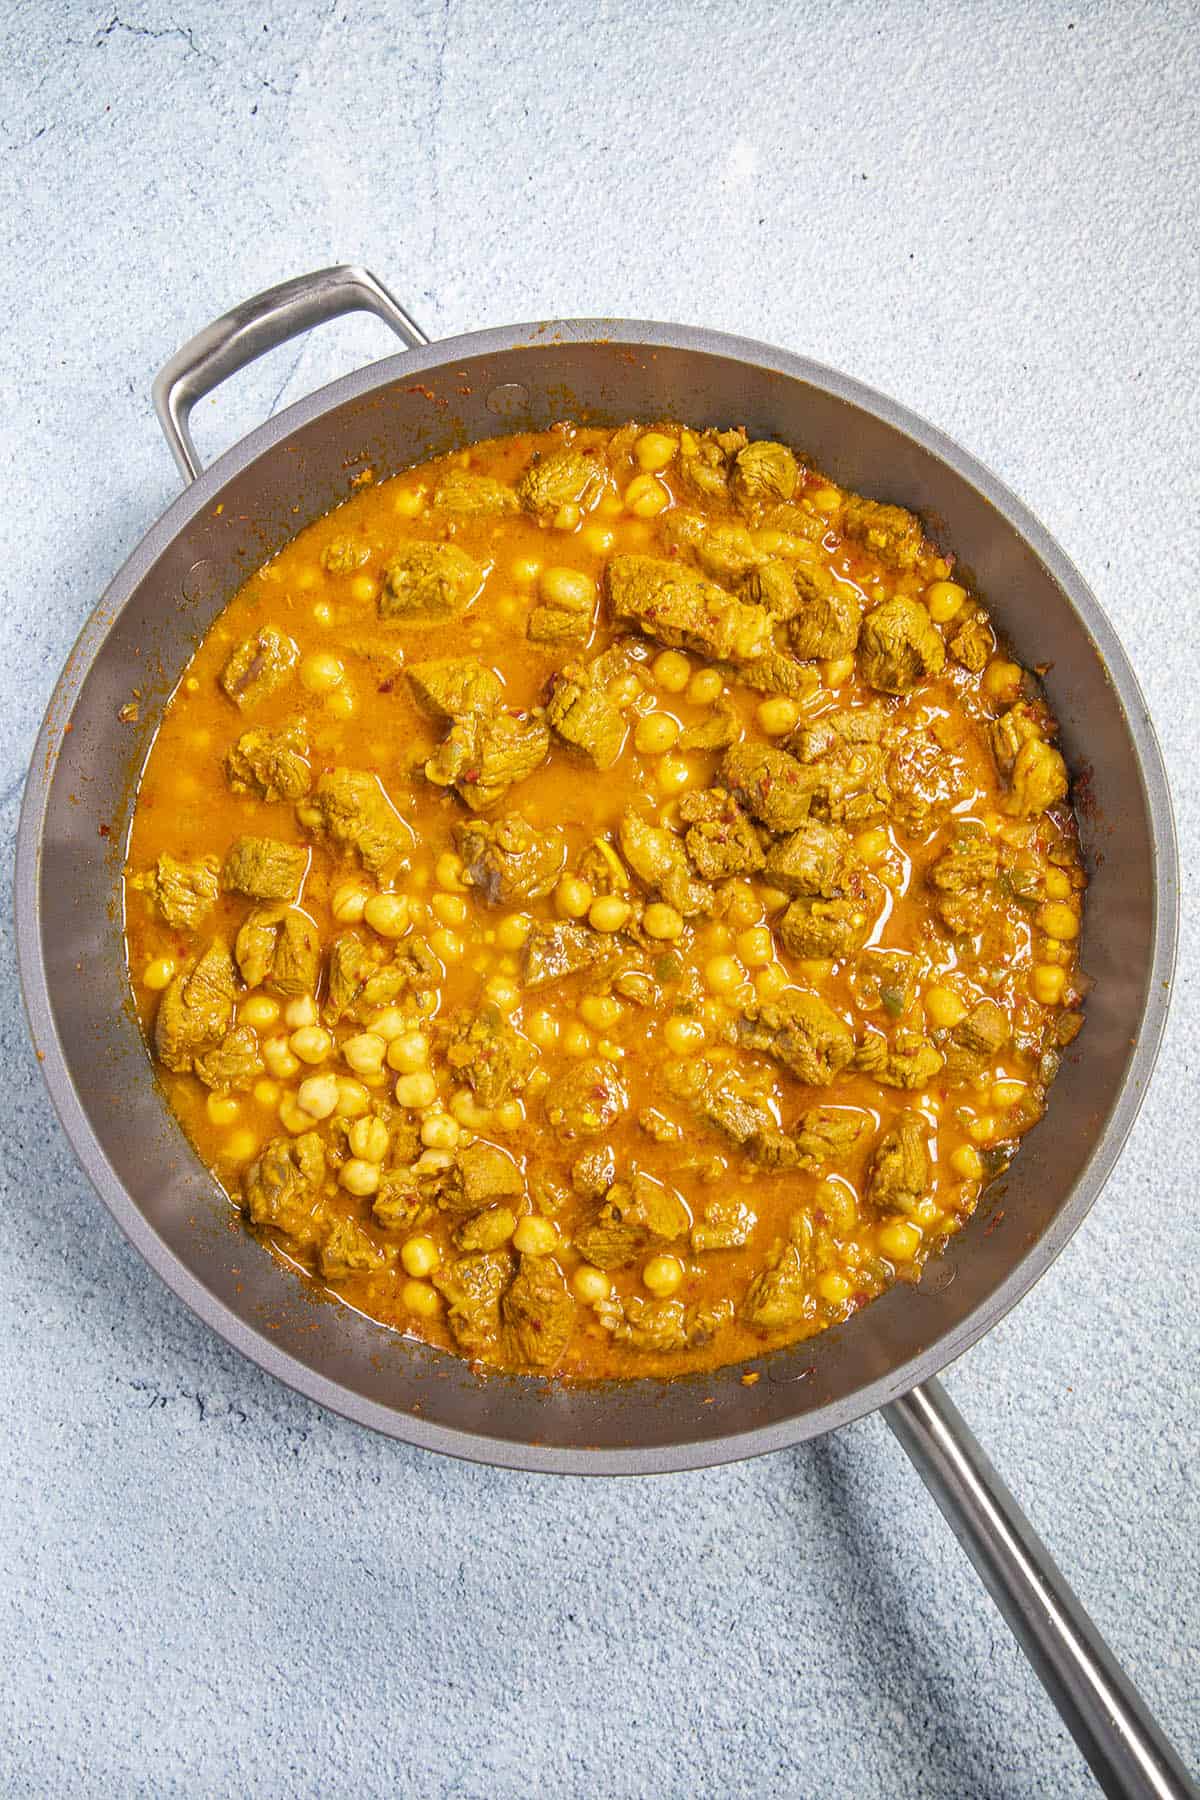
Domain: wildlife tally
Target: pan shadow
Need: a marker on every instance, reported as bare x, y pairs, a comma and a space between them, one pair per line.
940, 1712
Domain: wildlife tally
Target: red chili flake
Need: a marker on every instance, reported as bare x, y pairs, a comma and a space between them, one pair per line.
993, 1222
387, 684
472, 775
104, 831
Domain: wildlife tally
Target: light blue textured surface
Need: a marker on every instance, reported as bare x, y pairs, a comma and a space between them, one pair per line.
209, 1587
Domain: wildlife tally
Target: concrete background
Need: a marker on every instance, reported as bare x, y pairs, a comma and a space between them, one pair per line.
208, 1586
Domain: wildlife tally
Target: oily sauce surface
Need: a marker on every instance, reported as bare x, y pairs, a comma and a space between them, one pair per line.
604, 902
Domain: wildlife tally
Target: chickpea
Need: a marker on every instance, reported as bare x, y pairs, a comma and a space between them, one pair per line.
756, 947
833, 1287
705, 687
967, 1163
363, 589
682, 1035
266, 1091
1002, 680
944, 599
1006, 1094
671, 671
608, 913
836, 671
409, 502
320, 673
535, 1236
368, 1140
663, 1275
1058, 920
300, 1011
222, 1109
241, 1145
448, 872
340, 703
572, 897
416, 1090
674, 774
279, 1059
662, 921
778, 715
419, 1256
590, 1284
645, 498
770, 982
388, 1023
364, 1053
353, 1099
503, 993
258, 1010
655, 733
654, 450
899, 1241
387, 914
526, 569
159, 974
310, 1043
1048, 983
440, 1131
318, 1095
423, 1301
449, 909
943, 1008
600, 1010
722, 974
576, 1039
512, 932
872, 845
597, 538
542, 1028
567, 517
446, 945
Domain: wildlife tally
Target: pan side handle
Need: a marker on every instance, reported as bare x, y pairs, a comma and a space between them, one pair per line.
259, 325
1111, 1723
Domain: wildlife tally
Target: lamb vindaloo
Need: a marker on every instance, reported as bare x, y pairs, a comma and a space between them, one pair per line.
605, 902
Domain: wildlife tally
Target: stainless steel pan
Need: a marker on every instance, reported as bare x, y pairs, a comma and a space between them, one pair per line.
232, 515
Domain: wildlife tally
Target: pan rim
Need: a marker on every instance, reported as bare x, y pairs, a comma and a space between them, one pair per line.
469, 1445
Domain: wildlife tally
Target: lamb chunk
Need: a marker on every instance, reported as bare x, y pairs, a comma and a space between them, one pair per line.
770, 784
658, 859
350, 966
585, 1101
804, 1034
281, 1188
740, 1116
677, 606
185, 892
483, 757
349, 1250
560, 624
565, 477
778, 672
961, 876
463, 491
840, 733
722, 727
494, 1058
233, 1064
899, 646
763, 473
637, 1215
726, 552
889, 532
925, 778
427, 584
658, 1127
483, 1175
780, 1298
886, 979
900, 1168
593, 1172
1039, 780
726, 1225
584, 717
538, 1313
824, 928
400, 1203
984, 1030
704, 471
351, 809
827, 1134
488, 1230
911, 1062
259, 665
552, 952
661, 1325
270, 763
827, 617
342, 555
278, 947
815, 860
359, 982
720, 839
507, 860
471, 1287
772, 585
455, 687
196, 1009
974, 643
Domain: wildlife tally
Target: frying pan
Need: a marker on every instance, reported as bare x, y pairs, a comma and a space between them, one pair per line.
74, 825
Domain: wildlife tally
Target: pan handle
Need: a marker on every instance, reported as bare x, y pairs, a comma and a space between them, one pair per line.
259, 325
1126, 1750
